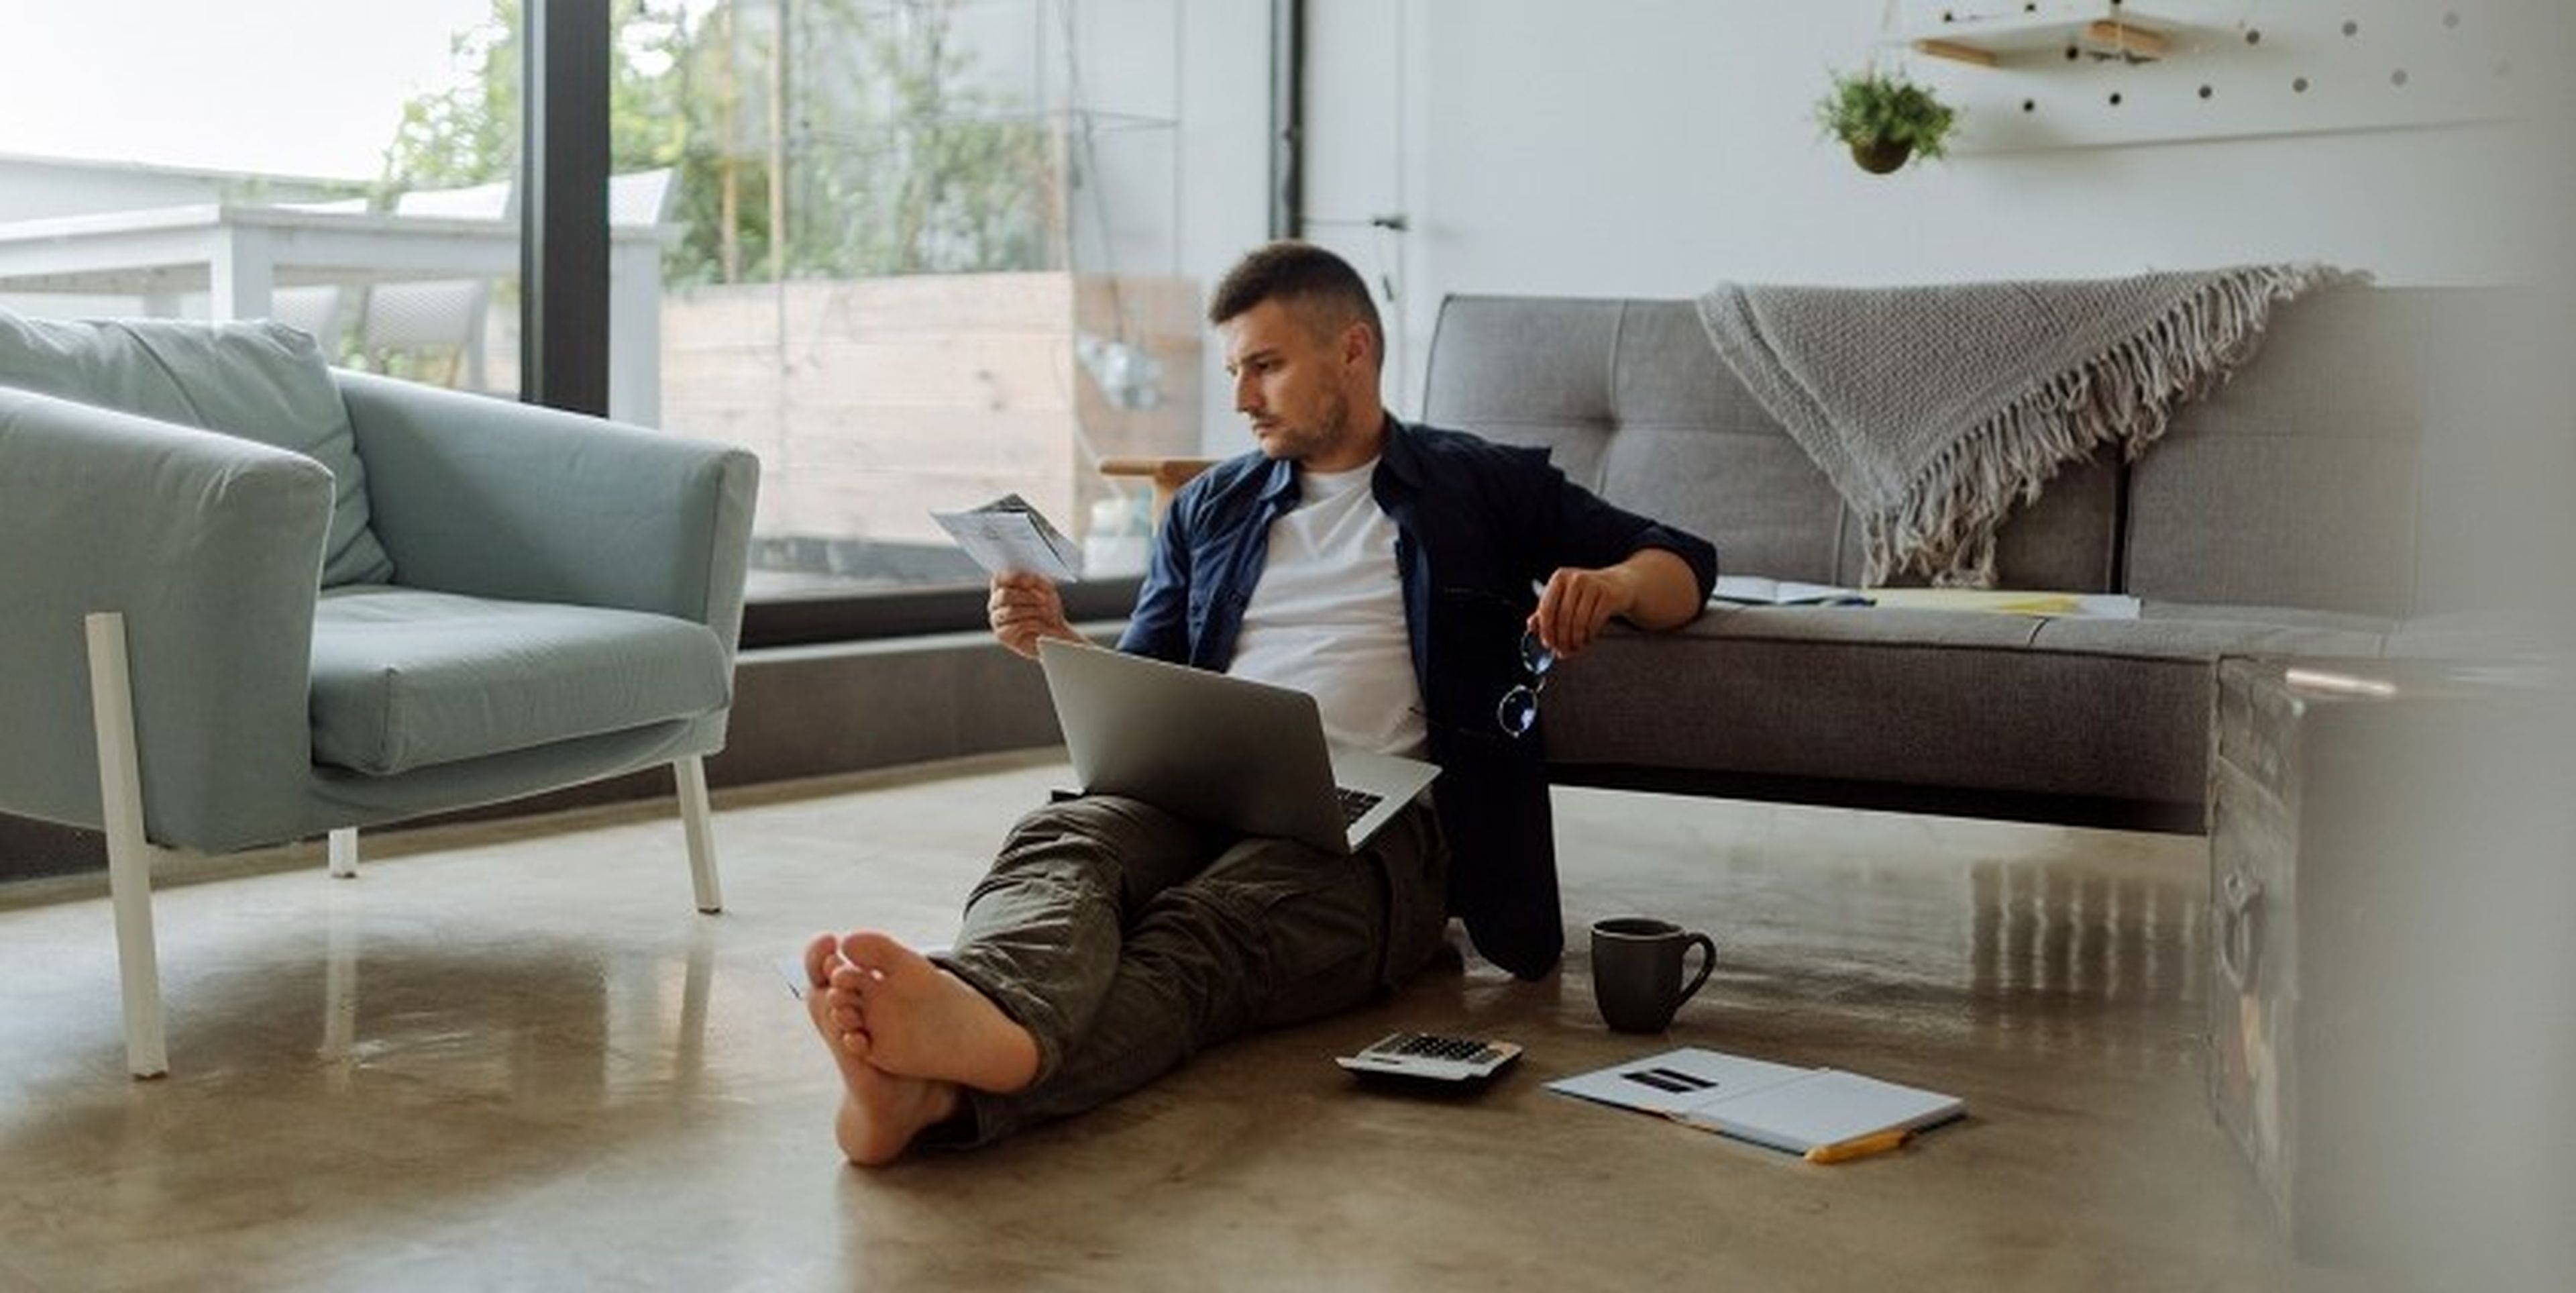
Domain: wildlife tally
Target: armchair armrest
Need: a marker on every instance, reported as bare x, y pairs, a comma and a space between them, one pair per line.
495, 499
211, 547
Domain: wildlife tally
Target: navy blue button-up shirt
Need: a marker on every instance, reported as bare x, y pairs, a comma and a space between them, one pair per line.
1479, 527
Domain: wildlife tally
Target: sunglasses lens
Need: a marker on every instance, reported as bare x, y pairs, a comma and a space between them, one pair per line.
1518, 711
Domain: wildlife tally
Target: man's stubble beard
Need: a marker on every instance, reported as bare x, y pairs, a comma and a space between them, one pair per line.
1331, 430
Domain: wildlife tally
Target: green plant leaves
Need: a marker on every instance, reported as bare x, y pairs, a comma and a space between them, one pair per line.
1873, 107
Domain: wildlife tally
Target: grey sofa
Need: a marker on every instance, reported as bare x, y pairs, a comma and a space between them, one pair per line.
2302, 509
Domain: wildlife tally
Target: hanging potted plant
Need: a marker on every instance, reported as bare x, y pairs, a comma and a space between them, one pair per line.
1885, 118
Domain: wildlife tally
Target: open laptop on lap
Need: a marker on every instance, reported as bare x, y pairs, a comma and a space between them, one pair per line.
1245, 755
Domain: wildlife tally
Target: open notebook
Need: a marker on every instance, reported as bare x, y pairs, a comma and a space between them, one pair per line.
1801, 1110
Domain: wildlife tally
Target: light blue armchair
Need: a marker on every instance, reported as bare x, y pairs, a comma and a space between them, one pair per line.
364, 601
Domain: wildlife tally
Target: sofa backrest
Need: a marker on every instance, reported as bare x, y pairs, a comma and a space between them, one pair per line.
2302, 482
2319, 476
1633, 398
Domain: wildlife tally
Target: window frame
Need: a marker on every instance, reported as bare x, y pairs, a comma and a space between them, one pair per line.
815, 619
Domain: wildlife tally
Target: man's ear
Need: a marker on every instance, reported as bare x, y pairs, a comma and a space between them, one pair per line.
1355, 344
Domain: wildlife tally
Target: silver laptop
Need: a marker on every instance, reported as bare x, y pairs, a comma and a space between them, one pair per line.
1242, 754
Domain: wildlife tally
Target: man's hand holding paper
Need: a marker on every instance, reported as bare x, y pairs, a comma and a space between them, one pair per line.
1025, 608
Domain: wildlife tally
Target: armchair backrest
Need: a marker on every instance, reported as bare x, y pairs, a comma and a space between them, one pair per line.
494, 498
259, 381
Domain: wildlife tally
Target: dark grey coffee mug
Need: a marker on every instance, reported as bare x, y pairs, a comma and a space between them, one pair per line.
1637, 971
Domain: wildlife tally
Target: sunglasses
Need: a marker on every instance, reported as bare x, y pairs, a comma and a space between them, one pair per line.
1517, 713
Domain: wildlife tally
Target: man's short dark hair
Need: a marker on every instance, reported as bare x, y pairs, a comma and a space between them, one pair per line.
1319, 287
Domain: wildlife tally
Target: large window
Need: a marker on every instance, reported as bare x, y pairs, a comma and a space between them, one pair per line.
917, 254
237, 171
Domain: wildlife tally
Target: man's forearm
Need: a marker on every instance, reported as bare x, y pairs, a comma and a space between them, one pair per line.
1667, 591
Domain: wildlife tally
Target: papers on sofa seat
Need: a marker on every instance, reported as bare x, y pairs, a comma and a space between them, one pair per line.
1758, 590
1815, 1112
1755, 590
2010, 601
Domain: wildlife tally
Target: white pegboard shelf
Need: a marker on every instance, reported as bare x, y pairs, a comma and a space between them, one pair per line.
2223, 68
1989, 40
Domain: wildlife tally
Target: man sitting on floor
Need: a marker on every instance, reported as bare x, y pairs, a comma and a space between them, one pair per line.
1388, 569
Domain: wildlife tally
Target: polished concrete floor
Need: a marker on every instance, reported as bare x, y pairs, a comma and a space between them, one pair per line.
513, 1057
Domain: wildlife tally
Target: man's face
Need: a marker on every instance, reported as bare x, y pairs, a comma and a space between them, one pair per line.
1293, 384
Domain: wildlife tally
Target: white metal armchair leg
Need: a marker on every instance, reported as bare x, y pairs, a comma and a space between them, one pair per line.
129, 854
344, 852
696, 822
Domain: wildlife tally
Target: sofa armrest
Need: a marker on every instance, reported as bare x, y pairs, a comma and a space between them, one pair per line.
496, 499
211, 547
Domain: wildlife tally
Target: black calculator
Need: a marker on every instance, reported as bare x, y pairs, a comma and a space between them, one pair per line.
1433, 1056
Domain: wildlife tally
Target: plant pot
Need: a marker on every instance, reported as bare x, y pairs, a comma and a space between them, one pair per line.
1879, 156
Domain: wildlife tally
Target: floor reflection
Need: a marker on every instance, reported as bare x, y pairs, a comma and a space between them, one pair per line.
2049, 946
574, 1018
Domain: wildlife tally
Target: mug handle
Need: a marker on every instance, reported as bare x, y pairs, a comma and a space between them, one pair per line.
1707, 961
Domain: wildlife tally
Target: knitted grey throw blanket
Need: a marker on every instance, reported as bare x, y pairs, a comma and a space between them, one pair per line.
1935, 409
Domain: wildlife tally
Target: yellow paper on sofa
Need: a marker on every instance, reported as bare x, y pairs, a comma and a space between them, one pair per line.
2010, 601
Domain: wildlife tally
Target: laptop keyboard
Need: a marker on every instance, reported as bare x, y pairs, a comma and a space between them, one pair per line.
1355, 803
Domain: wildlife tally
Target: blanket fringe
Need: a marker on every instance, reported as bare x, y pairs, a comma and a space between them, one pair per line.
1945, 529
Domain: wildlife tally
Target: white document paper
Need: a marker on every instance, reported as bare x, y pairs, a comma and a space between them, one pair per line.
1007, 536
1825, 1107
1758, 590
1676, 1082
1779, 1105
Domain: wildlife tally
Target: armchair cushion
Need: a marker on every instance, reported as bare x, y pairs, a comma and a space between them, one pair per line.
259, 381
404, 679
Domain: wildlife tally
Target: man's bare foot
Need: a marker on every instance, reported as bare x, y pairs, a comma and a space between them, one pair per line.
880, 1112
918, 1020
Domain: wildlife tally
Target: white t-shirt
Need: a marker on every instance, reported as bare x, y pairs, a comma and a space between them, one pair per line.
1327, 616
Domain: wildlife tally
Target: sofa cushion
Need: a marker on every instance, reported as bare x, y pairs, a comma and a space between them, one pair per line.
258, 380
2113, 709
1891, 696
2199, 633
405, 679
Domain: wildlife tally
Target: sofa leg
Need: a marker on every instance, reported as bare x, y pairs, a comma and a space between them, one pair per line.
344, 853
129, 854
696, 822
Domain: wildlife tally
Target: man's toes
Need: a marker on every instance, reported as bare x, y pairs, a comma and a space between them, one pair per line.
819, 957
874, 951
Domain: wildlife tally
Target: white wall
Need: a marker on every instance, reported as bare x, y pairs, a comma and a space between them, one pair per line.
1655, 147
